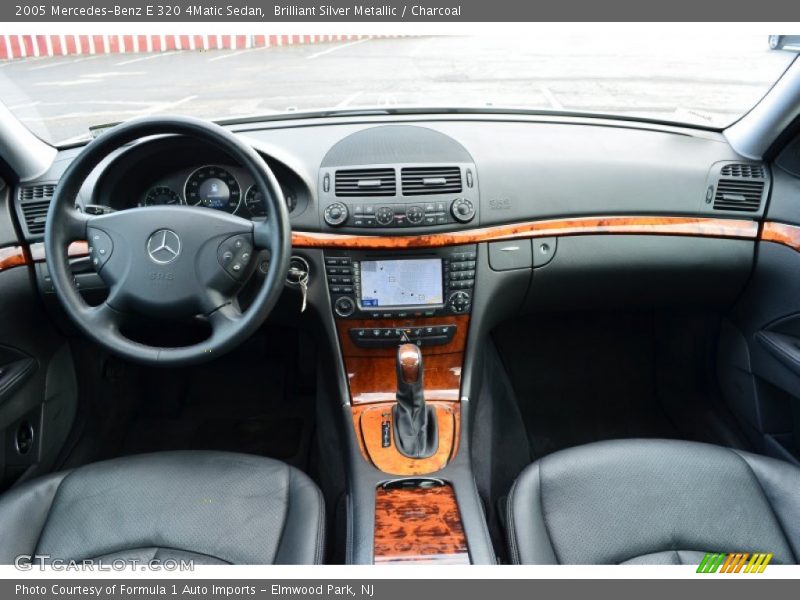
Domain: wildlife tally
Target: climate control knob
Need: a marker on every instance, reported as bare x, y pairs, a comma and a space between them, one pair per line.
335, 214
462, 210
459, 302
415, 214
384, 215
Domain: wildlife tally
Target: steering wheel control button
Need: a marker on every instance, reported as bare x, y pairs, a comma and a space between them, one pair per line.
335, 214
234, 255
462, 210
344, 306
100, 247
164, 246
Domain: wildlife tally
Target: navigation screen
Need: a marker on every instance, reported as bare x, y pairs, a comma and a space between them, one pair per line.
411, 282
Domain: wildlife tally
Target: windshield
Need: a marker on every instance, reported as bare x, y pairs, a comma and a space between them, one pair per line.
694, 79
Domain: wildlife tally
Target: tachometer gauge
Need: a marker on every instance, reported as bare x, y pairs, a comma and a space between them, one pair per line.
161, 195
213, 187
254, 201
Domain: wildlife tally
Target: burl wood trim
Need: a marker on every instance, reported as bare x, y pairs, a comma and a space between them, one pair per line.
75, 250
419, 526
368, 421
781, 233
12, 256
647, 225
372, 372
374, 379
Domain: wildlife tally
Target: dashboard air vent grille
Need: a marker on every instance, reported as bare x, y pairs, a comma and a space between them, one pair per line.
743, 170
418, 181
741, 196
366, 182
35, 202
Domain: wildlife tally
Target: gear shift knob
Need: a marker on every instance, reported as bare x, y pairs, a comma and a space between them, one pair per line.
409, 359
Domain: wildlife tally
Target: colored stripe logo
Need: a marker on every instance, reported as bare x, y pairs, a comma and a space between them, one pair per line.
734, 562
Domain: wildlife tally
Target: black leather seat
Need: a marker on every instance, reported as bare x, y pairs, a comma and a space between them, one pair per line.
653, 502
212, 507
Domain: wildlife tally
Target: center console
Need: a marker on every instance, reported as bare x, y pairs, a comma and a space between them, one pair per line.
402, 319
381, 300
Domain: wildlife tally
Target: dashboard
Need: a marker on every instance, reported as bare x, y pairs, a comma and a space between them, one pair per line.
434, 216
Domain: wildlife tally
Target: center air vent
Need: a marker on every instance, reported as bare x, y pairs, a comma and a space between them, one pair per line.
740, 188
35, 202
366, 182
418, 181
743, 170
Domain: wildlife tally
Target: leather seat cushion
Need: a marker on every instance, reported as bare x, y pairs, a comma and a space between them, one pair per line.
655, 502
213, 507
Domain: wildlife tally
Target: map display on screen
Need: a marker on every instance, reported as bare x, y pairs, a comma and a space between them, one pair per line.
412, 282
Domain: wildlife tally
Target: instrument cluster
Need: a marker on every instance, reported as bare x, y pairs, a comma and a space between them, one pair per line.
226, 188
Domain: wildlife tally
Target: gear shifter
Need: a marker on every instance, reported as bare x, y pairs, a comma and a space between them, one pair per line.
415, 425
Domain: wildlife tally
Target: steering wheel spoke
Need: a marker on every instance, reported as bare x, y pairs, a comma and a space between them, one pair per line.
75, 225
224, 318
104, 317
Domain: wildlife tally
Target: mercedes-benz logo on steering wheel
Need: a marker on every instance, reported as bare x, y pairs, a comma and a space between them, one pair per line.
163, 246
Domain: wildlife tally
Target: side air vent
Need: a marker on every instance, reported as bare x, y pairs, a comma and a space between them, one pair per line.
418, 181
35, 202
738, 195
750, 171
366, 182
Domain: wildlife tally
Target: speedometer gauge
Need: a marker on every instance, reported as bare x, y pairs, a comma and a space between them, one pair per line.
160, 195
213, 187
254, 201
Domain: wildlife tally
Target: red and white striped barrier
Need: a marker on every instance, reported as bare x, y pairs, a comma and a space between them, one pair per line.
25, 46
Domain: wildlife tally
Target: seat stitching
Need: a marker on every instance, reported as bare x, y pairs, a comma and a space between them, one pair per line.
766, 499
285, 517
50, 511
159, 547
320, 528
512, 542
544, 518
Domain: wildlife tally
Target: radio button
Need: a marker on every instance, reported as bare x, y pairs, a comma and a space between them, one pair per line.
344, 306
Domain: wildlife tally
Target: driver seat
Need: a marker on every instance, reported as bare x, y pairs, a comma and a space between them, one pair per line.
210, 507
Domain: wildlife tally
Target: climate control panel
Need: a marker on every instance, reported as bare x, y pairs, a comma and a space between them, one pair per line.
343, 213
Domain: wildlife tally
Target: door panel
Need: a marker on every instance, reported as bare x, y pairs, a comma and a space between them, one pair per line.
759, 354
38, 391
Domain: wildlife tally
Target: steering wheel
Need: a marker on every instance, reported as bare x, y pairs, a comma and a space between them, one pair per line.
168, 261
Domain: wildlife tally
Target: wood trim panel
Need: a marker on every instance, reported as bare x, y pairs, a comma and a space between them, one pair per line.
781, 233
374, 379
647, 225
372, 372
76, 250
13, 256
368, 421
421, 525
